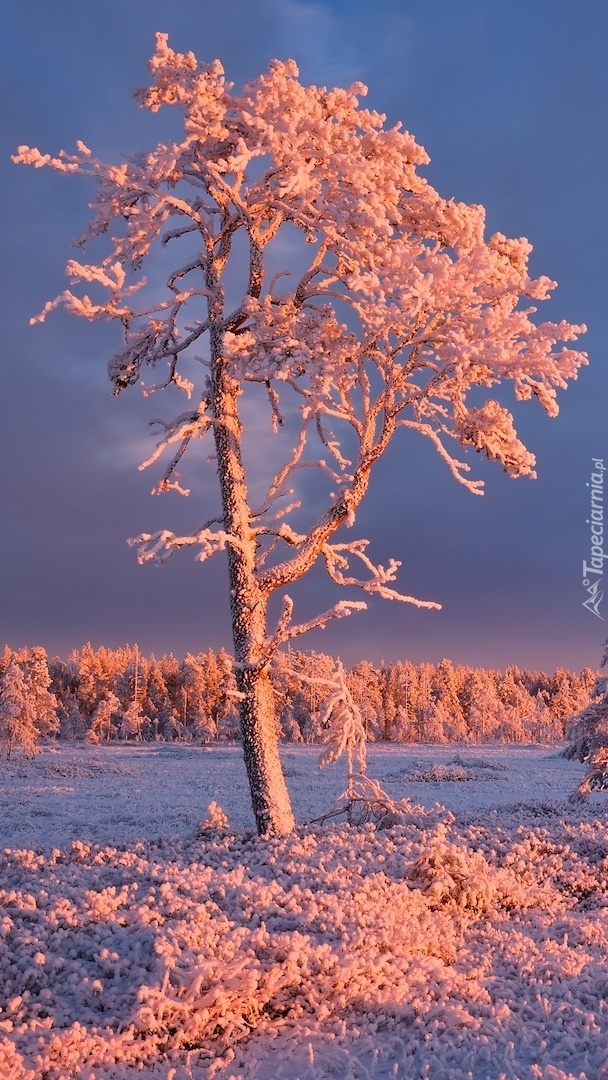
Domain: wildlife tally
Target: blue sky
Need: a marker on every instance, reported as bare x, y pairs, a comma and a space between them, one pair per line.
510, 102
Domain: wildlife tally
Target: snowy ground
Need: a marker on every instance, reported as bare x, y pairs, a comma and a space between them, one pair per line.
466, 942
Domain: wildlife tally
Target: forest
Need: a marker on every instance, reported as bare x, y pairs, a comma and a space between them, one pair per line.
104, 695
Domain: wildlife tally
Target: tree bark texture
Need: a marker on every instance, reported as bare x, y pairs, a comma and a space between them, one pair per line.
270, 798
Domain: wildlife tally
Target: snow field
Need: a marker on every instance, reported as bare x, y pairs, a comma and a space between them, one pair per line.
467, 945
122, 792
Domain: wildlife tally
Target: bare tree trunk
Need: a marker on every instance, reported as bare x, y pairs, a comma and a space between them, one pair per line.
270, 798
269, 795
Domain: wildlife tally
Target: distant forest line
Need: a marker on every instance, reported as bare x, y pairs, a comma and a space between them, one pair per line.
105, 695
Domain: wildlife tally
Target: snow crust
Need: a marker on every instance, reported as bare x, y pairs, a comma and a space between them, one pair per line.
141, 935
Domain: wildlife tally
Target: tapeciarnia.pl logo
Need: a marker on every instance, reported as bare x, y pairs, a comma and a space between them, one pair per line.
593, 571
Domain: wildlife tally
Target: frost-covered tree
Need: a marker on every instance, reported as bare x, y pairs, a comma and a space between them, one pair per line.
218, 694
482, 706
396, 307
401, 698
437, 719
365, 687
27, 707
589, 735
569, 693
424, 700
344, 727
158, 703
17, 713
588, 730
518, 707
92, 677
71, 724
34, 665
132, 721
105, 716
300, 682
448, 711
197, 716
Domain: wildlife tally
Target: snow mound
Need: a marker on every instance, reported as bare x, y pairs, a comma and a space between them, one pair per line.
439, 774
458, 770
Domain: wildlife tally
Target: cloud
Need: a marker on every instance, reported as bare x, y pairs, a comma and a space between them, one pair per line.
311, 34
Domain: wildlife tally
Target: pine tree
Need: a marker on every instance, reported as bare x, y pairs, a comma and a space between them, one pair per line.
71, 723
401, 315
157, 705
300, 681
406, 694
365, 687
17, 712
444, 688
484, 711
569, 694
106, 715
33, 663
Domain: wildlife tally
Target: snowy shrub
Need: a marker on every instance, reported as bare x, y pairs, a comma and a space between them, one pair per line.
479, 763
457, 878
343, 727
597, 776
216, 820
364, 802
338, 952
438, 774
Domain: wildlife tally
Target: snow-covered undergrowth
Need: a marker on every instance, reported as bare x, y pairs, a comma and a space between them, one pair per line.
473, 946
457, 770
439, 774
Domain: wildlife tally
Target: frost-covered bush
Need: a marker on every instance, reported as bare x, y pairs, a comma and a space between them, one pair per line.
438, 774
440, 951
596, 778
215, 822
364, 801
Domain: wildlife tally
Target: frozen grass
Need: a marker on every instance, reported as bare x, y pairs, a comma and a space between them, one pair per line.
465, 944
123, 792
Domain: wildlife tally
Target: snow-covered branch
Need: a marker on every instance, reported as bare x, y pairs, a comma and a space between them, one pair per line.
187, 426
286, 632
344, 727
456, 467
337, 561
159, 546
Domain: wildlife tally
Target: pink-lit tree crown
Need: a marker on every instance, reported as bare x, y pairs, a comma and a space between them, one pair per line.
401, 308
